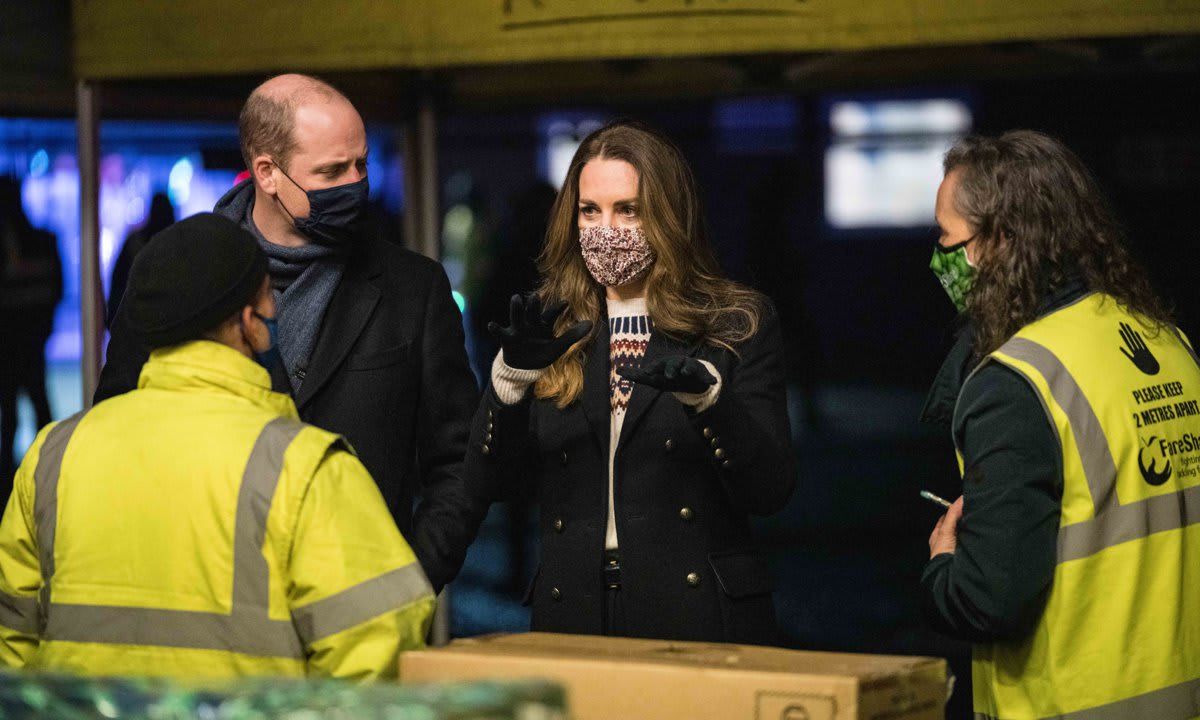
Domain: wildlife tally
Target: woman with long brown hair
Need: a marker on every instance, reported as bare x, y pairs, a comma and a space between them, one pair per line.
1074, 403
641, 393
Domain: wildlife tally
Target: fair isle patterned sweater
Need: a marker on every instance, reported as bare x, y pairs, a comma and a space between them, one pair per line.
628, 335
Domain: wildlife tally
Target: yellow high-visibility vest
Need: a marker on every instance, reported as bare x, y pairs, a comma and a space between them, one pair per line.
1120, 634
195, 528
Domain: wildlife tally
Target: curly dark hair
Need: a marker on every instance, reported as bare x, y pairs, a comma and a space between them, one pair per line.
1041, 222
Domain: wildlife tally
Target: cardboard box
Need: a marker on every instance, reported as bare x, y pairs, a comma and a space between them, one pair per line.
617, 678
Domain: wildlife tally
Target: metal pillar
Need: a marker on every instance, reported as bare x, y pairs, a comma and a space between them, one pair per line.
422, 209
91, 293
431, 226
423, 233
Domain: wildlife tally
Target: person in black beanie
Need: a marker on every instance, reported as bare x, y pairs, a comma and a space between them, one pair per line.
206, 531
196, 274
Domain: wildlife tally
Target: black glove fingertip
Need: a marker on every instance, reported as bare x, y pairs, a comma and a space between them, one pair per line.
579, 331
551, 313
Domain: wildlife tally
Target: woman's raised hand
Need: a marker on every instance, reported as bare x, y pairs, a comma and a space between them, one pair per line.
528, 341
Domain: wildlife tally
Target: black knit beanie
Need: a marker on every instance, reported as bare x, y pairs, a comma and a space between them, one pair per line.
190, 278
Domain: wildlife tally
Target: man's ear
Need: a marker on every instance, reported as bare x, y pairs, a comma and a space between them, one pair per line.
247, 318
262, 168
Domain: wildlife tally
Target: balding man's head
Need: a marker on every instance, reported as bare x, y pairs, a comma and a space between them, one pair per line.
267, 120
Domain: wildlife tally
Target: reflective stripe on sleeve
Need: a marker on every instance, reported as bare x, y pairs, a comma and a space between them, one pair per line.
362, 602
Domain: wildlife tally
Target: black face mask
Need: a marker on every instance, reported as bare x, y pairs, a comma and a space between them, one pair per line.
335, 215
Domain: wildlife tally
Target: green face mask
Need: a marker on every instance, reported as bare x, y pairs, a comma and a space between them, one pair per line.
954, 272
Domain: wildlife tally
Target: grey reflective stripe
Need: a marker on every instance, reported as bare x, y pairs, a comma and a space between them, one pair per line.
246, 628
1036, 393
45, 499
358, 604
1177, 702
1113, 522
19, 613
1129, 522
1098, 465
251, 576
249, 633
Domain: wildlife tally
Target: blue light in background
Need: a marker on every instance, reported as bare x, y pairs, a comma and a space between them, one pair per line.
460, 300
40, 163
756, 125
179, 182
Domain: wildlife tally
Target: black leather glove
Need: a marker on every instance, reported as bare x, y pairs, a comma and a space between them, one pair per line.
672, 374
528, 341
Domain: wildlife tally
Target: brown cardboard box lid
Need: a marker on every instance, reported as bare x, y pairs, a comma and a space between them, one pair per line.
622, 678
748, 658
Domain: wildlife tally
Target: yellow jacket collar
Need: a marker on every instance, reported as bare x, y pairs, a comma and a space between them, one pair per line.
206, 366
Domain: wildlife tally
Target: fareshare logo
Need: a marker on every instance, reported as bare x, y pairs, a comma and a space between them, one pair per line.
1148, 458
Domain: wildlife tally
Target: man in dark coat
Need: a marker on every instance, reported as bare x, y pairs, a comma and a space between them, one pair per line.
371, 341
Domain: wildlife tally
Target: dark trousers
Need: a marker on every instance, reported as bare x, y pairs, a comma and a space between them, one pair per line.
24, 368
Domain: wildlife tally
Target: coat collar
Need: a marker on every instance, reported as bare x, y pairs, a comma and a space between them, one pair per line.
349, 310
206, 366
596, 385
346, 316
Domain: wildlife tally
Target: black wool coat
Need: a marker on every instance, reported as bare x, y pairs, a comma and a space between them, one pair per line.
389, 373
685, 485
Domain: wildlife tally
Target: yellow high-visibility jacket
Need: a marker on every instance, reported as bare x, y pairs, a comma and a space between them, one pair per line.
195, 528
1120, 634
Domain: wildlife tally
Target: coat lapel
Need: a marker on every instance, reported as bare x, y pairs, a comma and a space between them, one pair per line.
643, 397
596, 404
349, 310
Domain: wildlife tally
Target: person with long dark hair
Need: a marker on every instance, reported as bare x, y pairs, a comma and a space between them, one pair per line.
1072, 559
641, 393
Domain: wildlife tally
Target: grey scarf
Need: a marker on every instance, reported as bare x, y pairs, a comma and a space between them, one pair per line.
304, 279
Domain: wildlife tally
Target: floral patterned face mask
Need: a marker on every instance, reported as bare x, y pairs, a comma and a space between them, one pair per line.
615, 256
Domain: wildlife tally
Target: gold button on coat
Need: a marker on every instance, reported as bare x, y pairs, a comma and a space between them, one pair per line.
686, 514
693, 579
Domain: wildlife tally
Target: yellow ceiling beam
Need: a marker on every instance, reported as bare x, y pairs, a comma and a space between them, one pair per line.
133, 38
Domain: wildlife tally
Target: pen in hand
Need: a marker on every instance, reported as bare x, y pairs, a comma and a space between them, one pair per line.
935, 499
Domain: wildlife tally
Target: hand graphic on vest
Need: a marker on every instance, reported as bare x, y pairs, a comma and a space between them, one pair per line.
529, 342
1135, 349
672, 374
